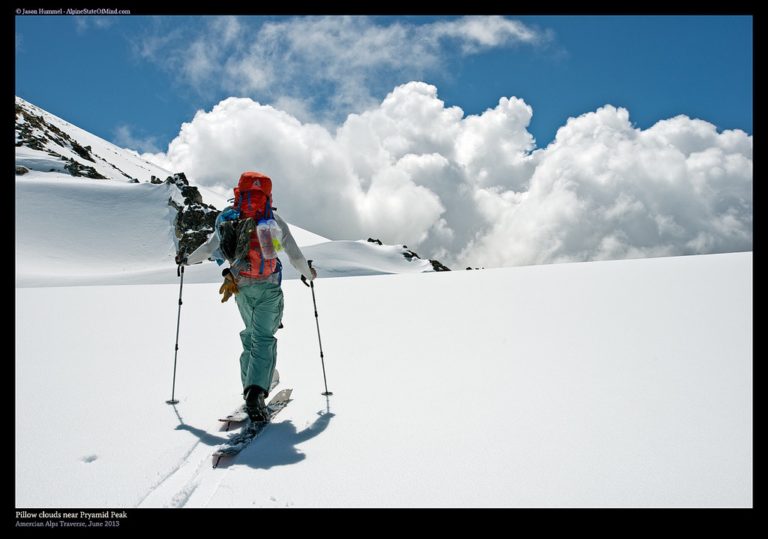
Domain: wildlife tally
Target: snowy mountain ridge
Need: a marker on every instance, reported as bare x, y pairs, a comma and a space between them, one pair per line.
47, 143
95, 213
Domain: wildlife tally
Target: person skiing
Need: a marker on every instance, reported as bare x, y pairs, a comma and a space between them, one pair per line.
248, 234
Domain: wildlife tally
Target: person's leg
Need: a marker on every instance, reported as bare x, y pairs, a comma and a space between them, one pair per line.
244, 301
261, 307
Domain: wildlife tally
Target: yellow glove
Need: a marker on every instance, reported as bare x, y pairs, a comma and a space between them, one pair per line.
228, 288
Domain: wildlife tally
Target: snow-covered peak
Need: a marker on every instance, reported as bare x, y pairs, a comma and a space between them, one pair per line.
45, 143
90, 212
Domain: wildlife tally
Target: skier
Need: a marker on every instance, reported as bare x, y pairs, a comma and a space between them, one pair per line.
254, 278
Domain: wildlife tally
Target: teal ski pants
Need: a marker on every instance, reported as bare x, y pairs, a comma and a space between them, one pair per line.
261, 307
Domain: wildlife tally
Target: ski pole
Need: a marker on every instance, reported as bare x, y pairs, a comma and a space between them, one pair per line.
180, 273
317, 322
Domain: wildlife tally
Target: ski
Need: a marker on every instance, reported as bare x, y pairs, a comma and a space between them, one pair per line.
239, 414
239, 441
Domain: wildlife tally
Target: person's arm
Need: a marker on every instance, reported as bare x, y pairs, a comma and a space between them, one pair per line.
204, 251
209, 250
292, 250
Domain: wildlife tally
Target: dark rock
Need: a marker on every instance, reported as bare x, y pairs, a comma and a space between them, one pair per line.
191, 195
194, 219
410, 255
374, 241
78, 169
28, 137
179, 179
437, 266
155, 180
194, 224
20, 171
25, 132
85, 153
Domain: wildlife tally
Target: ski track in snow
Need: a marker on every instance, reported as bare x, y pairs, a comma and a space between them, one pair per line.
566, 422
167, 492
178, 486
154, 489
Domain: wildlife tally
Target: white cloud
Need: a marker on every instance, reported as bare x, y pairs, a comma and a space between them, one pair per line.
477, 32
159, 45
341, 62
474, 191
125, 137
604, 189
84, 23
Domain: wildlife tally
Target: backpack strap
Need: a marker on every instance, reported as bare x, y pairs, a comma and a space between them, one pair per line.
266, 210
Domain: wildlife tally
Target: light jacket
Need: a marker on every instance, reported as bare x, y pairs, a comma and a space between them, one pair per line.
208, 251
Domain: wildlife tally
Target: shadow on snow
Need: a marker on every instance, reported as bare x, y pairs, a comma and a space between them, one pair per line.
275, 446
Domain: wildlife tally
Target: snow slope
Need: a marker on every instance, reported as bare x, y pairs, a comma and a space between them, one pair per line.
606, 384
111, 161
78, 231
82, 231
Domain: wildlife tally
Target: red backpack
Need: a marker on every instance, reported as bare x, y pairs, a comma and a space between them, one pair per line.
253, 198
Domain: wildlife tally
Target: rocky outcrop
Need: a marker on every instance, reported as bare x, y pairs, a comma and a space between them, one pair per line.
194, 219
437, 266
84, 152
30, 130
191, 194
75, 168
410, 255
34, 132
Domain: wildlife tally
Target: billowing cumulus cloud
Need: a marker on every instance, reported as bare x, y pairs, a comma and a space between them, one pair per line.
474, 190
606, 190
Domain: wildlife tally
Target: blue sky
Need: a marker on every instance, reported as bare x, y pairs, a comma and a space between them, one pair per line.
134, 80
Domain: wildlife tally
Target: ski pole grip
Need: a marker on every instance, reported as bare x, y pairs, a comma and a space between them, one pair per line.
304, 279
